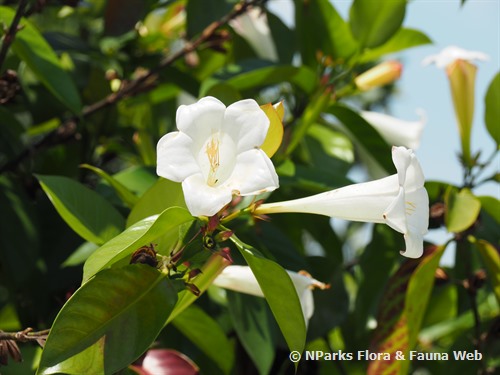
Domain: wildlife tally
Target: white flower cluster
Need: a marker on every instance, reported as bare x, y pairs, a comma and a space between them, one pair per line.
216, 154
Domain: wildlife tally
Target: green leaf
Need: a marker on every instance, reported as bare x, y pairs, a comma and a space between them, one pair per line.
207, 335
162, 195
129, 198
32, 48
462, 210
280, 294
137, 179
316, 105
419, 291
334, 143
402, 310
446, 332
88, 361
80, 255
492, 260
442, 305
254, 75
209, 271
253, 324
321, 28
141, 233
85, 211
403, 39
492, 206
364, 136
126, 306
375, 22
391, 333
492, 109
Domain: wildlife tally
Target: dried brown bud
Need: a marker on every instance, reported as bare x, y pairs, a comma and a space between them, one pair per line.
436, 215
226, 254
193, 289
9, 86
145, 255
9, 348
193, 273
475, 282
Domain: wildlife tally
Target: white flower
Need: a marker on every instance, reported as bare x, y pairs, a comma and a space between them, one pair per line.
395, 131
451, 53
461, 74
241, 279
399, 201
216, 154
253, 27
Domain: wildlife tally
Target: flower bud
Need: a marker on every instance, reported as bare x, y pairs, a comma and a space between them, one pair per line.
380, 75
462, 78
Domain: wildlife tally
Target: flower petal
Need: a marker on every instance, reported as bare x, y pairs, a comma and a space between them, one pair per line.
415, 178
201, 119
395, 131
174, 158
253, 26
253, 174
414, 245
452, 53
204, 200
395, 216
302, 285
247, 124
240, 279
401, 157
417, 210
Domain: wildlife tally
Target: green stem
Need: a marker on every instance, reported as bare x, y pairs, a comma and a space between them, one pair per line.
317, 105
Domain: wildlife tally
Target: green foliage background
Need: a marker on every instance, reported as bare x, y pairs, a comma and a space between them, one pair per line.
88, 88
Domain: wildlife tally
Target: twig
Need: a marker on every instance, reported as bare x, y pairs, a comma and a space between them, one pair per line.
25, 335
11, 32
132, 88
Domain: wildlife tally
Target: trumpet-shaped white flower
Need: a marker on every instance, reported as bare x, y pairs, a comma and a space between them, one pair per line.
216, 154
452, 53
254, 28
399, 201
241, 279
462, 77
395, 131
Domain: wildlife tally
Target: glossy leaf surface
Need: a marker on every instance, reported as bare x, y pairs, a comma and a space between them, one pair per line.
374, 22
126, 306
280, 294
85, 211
140, 234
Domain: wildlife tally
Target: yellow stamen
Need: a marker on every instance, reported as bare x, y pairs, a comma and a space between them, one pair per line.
410, 208
213, 158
